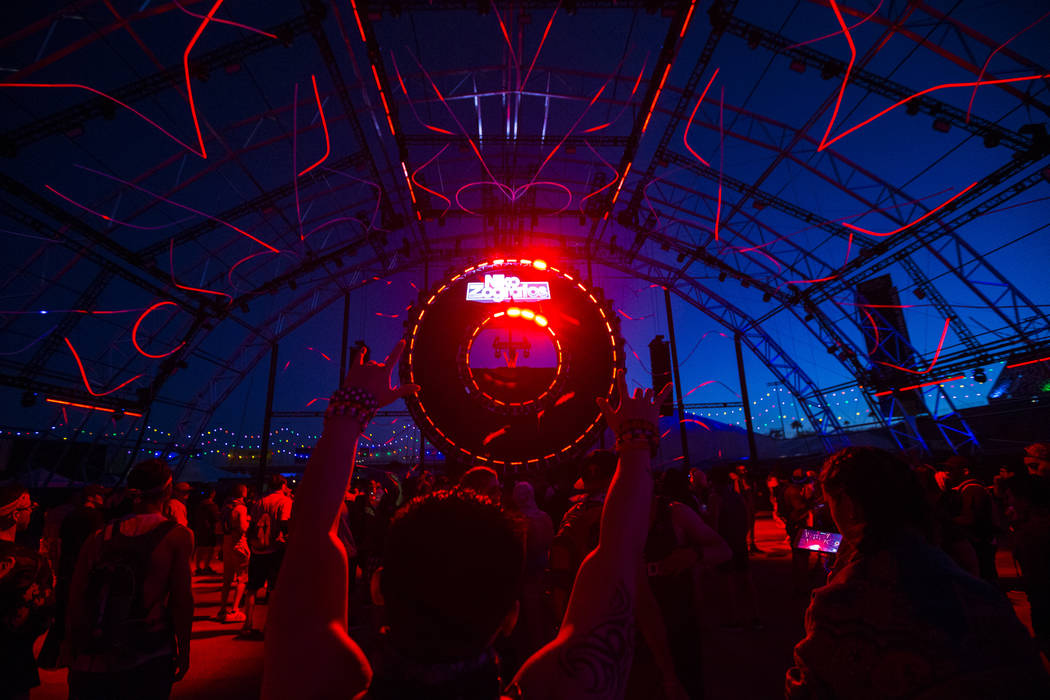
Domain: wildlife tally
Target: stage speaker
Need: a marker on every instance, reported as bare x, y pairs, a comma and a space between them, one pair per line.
881, 319
660, 363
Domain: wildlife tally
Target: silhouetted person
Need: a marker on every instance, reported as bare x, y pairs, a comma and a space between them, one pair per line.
1029, 499
974, 512
26, 596
85, 520
266, 539
898, 618
731, 519
205, 533
483, 481
1037, 459
235, 555
450, 578
175, 508
131, 601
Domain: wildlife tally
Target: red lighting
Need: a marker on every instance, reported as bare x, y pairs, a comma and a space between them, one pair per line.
1030, 362
919, 220
324, 123
541, 321
135, 331
937, 354
919, 386
539, 264
685, 136
186, 67
83, 375
89, 407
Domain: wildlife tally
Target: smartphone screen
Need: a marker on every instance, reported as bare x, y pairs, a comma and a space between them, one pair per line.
817, 541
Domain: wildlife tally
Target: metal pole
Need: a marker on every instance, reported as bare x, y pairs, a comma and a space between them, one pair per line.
265, 444
346, 337
677, 378
138, 444
743, 396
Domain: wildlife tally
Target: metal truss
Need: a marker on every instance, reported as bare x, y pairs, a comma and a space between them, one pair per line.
832, 67
257, 344
59, 122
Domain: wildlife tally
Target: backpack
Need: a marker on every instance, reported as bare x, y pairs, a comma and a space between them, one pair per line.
114, 608
261, 535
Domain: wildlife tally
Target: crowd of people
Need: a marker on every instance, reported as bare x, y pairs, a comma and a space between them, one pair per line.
587, 581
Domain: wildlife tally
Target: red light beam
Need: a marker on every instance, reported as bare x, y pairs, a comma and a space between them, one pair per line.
138, 322
83, 375
324, 123
685, 136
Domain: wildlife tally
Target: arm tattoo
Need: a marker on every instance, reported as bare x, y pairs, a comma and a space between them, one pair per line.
601, 658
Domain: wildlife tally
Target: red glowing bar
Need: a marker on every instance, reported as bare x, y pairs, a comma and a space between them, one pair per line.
565, 398
688, 18
448, 202
382, 96
171, 263
620, 186
685, 136
89, 407
135, 331
937, 354
919, 220
1030, 362
703, 384
980, 75
492, 436
828, 36
191, 13
698, 422
919, 386
357, 16
546, 31
324, 123
83, 375
186, 67
825, 142
656, 97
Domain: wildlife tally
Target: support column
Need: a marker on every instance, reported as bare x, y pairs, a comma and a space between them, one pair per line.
752, 450
267, 417
677, 378
346, 338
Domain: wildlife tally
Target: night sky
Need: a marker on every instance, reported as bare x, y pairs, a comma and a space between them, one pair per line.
112, 209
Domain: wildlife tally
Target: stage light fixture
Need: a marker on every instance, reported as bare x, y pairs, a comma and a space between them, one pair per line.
980, 376
941, 125
767, 296
722, 276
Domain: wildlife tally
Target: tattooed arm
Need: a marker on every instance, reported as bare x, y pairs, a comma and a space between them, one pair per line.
592, 653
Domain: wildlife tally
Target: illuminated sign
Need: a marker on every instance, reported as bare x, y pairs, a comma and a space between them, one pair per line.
499, 288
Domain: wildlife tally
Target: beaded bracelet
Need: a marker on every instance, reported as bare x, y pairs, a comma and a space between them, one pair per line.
636, 433
353, 402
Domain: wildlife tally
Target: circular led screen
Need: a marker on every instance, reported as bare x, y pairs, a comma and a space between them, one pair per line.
510, 356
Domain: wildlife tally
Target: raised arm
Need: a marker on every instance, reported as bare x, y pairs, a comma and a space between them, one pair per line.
592, 653
308, 653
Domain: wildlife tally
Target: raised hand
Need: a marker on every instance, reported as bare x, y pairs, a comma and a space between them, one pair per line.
642, 406
375, 378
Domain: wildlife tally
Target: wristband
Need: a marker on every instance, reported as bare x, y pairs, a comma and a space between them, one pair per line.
354, 402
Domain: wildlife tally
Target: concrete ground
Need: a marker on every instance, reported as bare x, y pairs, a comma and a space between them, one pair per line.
743, 663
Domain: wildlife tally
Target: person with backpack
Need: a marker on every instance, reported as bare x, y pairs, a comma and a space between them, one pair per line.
26, 596
266, 537
131, 600
235, 555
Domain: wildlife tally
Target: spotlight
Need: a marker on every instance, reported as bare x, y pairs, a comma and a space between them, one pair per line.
722, 276
681, 257
991, 139
979, 375
767, 296
941, 125
920, 293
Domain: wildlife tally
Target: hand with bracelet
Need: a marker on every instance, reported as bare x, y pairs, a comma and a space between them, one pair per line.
366, 388
635, 420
